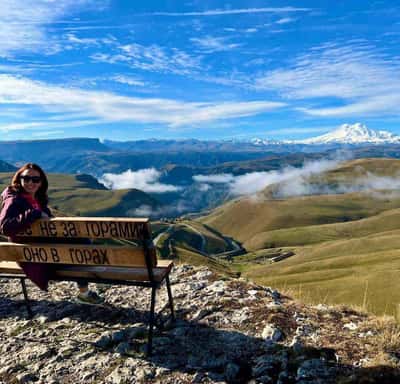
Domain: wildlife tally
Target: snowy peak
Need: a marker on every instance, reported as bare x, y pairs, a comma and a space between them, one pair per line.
353, 134
262, 142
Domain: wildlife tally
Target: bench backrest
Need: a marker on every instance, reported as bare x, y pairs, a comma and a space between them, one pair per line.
85, 241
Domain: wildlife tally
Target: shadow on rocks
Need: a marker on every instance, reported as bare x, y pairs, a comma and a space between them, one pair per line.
49, 310
206, 353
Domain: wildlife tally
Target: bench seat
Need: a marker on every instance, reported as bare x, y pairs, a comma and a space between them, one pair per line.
10, 267
116, 251
100, 272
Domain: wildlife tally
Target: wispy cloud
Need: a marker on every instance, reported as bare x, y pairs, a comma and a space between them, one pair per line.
380, 187
37, 125
215, 178
221, 12
107, 107
253, 182
211, 44
129, 80
23, 24
358, 75
285, 20
47, 133
146, 180
151, 58
74, 39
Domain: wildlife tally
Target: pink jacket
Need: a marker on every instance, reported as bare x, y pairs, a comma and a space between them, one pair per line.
17, 215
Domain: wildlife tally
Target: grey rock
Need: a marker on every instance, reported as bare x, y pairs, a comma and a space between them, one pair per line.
144, 373
265, 379
312, 369
296, 344
42, 319
271, 334
118, 336
104, 341
123, 348
197, 286
231, 372
26, 377
138, 331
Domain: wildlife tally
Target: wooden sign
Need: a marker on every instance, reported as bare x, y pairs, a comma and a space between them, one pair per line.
75, 254
94, 228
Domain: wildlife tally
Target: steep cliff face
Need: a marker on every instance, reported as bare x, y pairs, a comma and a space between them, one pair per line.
227, 331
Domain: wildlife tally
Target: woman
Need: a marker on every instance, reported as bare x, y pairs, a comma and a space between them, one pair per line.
23, 202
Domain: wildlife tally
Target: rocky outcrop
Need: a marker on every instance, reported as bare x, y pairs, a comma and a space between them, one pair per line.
227, 331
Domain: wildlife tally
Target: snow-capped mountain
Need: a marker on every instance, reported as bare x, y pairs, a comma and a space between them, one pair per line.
261, 142
353, 134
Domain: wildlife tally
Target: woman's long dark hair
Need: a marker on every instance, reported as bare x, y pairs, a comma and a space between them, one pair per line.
41, 194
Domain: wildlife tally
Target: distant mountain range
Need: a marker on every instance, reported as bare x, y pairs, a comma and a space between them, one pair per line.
351, 134
354, 134
96, 157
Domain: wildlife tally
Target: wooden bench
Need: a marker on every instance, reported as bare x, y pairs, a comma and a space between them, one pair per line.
95, 250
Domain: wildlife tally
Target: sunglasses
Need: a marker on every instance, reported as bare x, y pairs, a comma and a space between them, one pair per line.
34, 179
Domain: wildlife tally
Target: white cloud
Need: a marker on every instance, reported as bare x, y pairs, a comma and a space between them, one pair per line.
47, 133
72, 38
298, 181
128, 80
147, 211
151, 58
285, 20
365, 80
214, 44
107, 107
145, 179
374, 105
377, 186
221, 12
36, 125
215, 178
23, 24
253, 182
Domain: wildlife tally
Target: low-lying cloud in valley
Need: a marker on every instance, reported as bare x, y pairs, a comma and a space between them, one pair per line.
211, 190
146, 180
254, 182
292, 182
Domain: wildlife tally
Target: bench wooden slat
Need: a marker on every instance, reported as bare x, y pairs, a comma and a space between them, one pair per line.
115, 273
10, 267
76, 254
102, 272
94, 228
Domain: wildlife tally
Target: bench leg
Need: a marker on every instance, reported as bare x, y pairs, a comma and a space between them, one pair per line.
151, 326
171, 303
25, 292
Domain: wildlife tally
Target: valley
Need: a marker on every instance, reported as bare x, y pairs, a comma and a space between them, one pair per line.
323, 228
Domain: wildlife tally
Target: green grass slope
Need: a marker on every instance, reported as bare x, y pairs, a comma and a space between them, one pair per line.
314, 234
246, 219
249, 219
363, 271
346, 246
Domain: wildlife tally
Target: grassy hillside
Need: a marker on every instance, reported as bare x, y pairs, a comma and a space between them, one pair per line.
249, 219
346, 246
362, 271
313, 234
192, 236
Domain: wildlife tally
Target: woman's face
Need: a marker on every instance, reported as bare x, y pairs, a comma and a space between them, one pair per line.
31, 181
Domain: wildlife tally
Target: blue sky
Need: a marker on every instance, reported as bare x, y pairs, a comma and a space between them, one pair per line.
127, 70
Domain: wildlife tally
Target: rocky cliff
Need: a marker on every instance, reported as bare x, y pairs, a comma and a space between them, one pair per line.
227, 331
